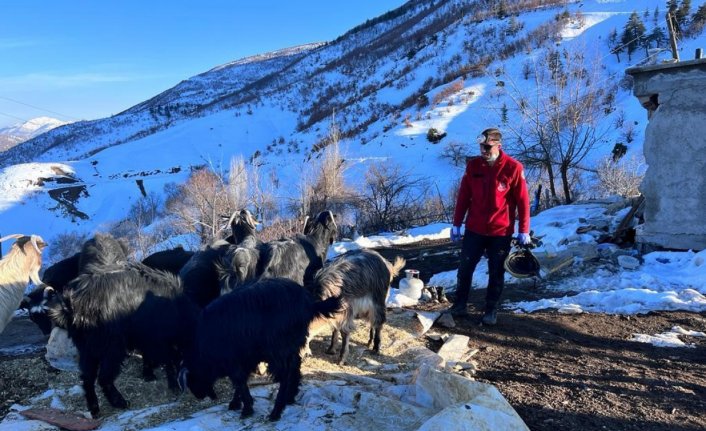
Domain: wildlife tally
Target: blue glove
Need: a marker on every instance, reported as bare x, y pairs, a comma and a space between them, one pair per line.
524, 239
455, 233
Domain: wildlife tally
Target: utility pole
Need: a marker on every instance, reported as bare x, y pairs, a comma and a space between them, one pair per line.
672, 36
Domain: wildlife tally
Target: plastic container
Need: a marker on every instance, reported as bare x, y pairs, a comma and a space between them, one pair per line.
411, 286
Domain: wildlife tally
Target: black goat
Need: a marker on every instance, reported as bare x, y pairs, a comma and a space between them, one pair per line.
263, 322
362, 279
300, 257
200, 276
112, 309
101, 250
58, 276
244, 257
172, 260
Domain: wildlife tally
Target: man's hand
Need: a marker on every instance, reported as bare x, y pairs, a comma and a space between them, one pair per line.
455, 233
524, 239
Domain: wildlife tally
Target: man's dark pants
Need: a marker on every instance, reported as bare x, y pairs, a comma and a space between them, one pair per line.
472, 249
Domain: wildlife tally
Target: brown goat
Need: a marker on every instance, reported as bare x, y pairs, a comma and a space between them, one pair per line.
21, 264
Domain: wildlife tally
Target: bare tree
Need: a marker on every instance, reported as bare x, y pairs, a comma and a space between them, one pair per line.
329, 190
561, 116
392, 199
238, 182
622, 177
199, 204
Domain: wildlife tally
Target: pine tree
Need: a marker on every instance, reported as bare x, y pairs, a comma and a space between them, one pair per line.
698, 20
615, 47
655, 16
633, 34
682, 15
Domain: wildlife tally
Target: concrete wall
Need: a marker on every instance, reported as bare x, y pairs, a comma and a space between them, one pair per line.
675, 151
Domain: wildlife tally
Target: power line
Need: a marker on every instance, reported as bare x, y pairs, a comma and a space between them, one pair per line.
14, 116
37, 107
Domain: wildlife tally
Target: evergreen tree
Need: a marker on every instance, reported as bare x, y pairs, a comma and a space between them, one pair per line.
682, 15
673, 8
633, 34
655, 16
615, 47
658, 36
698, 20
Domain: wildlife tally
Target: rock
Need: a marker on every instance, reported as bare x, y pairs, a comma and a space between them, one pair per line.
434, 337
472, 353
426, 320
424, 356
455, 349
446, 320
583, 250
465, 404
628, 262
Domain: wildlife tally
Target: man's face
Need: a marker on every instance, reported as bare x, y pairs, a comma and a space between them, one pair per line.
491, 148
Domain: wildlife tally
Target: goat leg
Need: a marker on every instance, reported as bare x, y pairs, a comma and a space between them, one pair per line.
109, 370
371, 337
242, 388
89, 372
376, 341
344, 348
334, 339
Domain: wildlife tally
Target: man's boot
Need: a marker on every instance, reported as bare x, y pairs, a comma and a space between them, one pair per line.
458, 310
490, 318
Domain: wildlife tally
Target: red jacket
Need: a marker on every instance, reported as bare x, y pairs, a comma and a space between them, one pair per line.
491, 195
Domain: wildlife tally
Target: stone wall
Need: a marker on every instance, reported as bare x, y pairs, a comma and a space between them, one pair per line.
675, 151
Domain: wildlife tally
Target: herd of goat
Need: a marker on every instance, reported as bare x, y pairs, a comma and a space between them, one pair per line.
203, 315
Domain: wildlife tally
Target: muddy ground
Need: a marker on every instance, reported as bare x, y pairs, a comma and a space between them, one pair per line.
560, 372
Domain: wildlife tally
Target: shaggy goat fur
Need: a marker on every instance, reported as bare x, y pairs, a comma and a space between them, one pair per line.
101, 250
116, 308
362, 278
200, 277
299, 258
19, 266
58, 276
242, 258
172, 260
263, 322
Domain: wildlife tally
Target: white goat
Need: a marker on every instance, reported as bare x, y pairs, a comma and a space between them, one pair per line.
21, 264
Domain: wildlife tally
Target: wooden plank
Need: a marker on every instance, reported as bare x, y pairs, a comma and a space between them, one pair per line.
61, 418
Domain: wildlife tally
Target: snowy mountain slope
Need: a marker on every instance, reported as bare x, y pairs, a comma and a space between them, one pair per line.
280, 106
13, 135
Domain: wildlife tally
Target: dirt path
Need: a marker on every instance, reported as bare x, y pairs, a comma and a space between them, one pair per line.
560, 372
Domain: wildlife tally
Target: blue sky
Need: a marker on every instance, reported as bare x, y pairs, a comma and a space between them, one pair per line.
91, 59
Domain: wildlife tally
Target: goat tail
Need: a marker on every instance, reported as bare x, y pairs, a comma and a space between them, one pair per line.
397, 266
328, 307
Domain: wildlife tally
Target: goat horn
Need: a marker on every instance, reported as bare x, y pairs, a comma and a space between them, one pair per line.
14, 235
36, 241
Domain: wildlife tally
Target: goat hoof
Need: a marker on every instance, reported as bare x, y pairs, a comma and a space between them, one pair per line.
247, 412
233, 405
274, 417
330, 351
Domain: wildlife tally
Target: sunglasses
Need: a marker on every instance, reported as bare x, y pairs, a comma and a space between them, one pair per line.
486, 147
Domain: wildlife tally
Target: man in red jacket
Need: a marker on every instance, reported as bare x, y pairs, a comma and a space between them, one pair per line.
492, 191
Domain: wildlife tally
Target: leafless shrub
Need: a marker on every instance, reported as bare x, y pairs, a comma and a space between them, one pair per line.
392, 199
65, 245
134, 227
620, 178
199, 203
456, 152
